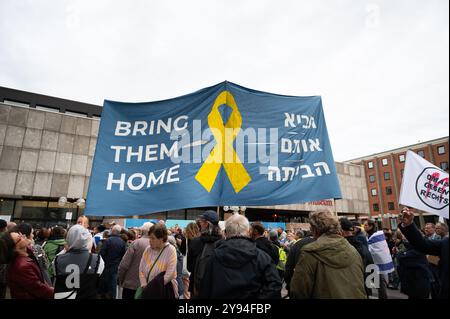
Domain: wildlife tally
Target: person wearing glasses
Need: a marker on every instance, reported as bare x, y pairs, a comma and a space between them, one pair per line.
25, 279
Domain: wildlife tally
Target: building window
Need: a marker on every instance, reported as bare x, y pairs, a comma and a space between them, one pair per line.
373, 191
387, 176
56, 212
27, 209
401, 158
376, 208
444, 166
391, 206
401, 172
388, 190
176, 214
372, 178
441, 150
6, 207
384, 161
370, 164
421, 153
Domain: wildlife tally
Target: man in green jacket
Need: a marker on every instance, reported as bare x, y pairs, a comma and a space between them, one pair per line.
329, 268
54, 245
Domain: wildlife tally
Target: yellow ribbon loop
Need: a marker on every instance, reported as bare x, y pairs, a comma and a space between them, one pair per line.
223, 153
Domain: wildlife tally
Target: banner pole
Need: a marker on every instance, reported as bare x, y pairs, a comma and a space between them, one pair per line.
335, 207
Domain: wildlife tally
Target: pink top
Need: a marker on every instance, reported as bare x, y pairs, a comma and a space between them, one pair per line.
167, 262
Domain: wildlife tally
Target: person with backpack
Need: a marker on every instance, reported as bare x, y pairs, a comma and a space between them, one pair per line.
38, 253
24, 278
54, 245
77, 258
203, 245
237, 268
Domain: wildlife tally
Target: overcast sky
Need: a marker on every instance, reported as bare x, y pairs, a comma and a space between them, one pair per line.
381, 67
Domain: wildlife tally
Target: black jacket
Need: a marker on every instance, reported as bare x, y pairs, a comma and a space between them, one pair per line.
362, 250
239, 270
415, 276
366, 257
112, 252
194, 251
431, 247
266, 245
292, 258
157, 290
361, 237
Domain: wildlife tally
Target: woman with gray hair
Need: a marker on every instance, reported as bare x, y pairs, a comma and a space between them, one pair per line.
77, 271
238, 269
128, 274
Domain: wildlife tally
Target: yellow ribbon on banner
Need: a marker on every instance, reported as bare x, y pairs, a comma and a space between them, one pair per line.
223, 153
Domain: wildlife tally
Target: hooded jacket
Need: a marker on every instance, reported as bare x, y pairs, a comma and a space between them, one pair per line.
266, 245
239, 270
329, 268
53, 247
195, 249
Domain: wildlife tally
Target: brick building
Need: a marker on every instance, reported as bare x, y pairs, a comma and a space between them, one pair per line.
384, 172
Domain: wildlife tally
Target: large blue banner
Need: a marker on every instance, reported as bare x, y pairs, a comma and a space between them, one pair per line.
222, 145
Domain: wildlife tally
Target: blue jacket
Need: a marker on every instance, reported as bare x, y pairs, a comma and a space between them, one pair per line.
112, 252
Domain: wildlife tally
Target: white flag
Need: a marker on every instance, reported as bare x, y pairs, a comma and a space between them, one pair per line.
424, 186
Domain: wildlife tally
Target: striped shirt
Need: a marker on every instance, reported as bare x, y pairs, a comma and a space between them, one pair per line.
167, 262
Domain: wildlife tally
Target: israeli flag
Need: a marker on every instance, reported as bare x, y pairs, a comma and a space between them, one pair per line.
380, 252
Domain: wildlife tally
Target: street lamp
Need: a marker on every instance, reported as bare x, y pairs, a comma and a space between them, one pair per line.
62, 201
234, 209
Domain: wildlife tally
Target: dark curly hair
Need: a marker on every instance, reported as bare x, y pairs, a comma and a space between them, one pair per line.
7, 244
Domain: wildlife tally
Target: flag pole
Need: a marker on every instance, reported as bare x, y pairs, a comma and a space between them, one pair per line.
335, 207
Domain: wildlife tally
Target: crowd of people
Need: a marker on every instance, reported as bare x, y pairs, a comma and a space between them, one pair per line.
335, 258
